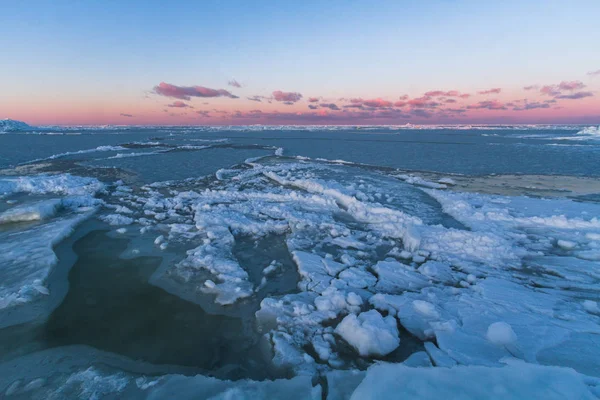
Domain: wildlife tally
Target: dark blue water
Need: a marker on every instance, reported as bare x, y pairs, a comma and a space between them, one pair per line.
469, 152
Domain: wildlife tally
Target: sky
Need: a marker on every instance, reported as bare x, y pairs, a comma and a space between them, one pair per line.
312, 62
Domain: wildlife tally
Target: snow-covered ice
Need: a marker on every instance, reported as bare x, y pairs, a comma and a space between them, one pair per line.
481, 291
513, 381
79, 372
27, 257
26, 251
590, 130
370, 333
450, 287
62, 184
11, 125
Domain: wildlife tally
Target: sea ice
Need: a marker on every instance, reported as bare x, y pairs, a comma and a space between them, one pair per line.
63, 184
26, 250
513, 381
31, 211
79, 372
370, 333
506, 260
11, 125
27, 257
501, 333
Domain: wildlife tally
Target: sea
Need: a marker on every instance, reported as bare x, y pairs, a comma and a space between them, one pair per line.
142, 261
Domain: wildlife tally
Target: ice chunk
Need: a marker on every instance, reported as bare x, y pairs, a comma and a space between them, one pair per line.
590, 131
341, 384
501, 333
396, 277
313, 271
370, 333
566, 244
439, 358
418, 181
515, 381
31, 212
117, 219
63, 184
447, 181
11, 125
425, 308
389, 222
591, 307
27, 258
91, 384
418, 359
84, 373
202, 387
357, 278
438, 271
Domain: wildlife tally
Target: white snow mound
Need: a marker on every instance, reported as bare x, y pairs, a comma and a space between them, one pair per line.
370, 333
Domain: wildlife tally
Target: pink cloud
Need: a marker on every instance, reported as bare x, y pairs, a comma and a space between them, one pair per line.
187, 92
234, 83
331, 106
449, 93
287, 97
456, 110
377, 103
400, 103
573, 85
532, 106
491, 91
531, 87
550, 90
593, 73
557, 90
179, 104
403, 97
204, 114
422, 102
313, 99
126, 115
488, 105
373, 103
575, 96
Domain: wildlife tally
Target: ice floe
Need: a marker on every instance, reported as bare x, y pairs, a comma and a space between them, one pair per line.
470, 278
79, 372
370, 333
62, 184
515, 380
590, 131
31, 228
475, 279
27, 258
11, 125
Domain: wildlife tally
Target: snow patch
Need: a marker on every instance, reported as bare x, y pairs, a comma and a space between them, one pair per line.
370, 333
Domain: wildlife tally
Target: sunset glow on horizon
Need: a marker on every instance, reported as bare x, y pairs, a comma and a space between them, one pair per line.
348, 63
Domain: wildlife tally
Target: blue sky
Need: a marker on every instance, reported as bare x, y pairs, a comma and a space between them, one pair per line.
109, 54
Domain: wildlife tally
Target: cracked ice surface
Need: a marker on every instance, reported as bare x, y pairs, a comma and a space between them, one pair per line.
30, 228
479, 278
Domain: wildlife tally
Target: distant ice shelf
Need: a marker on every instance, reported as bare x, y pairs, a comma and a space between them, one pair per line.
11, 125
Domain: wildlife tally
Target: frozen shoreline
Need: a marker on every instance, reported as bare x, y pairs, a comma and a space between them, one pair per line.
366, 258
